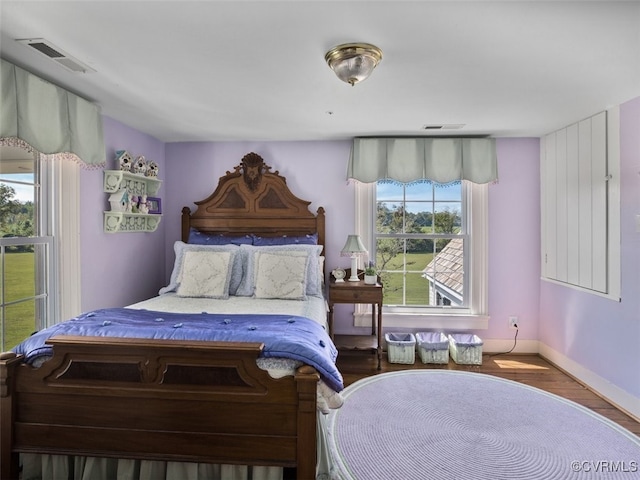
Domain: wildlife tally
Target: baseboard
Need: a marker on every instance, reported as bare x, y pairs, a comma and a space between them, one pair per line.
493, 346
600, 386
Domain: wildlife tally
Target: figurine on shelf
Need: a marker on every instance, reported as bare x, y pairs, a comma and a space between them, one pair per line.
124, 160
140, 165
143, 206
152, 169
134, 204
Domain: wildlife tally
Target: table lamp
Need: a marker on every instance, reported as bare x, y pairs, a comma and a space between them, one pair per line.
354, 249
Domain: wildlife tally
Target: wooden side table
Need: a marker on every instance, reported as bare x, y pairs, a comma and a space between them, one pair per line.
358, 292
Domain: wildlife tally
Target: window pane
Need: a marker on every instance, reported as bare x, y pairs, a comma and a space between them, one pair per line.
419, 191
447, 192
447, 217
446, 273
393, 288
19, 322
390, 191
17, 213
390, 218
19, 269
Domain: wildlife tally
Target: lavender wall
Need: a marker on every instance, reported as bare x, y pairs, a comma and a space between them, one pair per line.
316, 171
118, 268
599, 334
514, 240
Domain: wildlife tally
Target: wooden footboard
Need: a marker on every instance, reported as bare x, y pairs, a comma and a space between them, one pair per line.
157, 400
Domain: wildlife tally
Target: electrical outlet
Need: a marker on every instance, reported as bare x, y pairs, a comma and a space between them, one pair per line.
513, 322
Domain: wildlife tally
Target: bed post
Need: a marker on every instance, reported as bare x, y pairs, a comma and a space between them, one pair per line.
186, 217
321, 229
8, 461
307, 383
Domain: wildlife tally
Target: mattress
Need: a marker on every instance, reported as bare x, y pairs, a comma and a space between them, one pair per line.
314, 308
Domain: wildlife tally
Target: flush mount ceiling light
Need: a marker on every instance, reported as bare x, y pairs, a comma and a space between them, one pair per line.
353, 62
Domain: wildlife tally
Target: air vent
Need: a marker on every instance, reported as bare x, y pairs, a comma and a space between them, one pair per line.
56, 54
449, 126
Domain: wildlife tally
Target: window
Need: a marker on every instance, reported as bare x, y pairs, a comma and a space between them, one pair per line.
419, 242
429, 243
24, 250
36, 214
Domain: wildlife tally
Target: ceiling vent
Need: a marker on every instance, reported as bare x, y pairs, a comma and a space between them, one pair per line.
57, 55
449, 126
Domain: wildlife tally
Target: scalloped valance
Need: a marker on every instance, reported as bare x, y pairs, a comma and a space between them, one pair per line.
441, 160
49, 118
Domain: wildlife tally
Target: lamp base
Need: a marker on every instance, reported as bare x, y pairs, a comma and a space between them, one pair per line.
354, 269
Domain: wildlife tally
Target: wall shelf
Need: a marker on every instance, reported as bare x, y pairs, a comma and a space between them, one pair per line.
115, 180
130, 222
138, 185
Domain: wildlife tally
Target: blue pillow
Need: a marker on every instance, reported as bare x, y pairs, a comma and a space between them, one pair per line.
286, 240
197, 237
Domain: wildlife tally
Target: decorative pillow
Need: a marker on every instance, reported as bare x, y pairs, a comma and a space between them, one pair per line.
286, 240
247, 286
196, 237
321, 271
281, 276
205, 274
180, 248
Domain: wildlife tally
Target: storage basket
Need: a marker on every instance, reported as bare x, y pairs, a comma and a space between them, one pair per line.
465, 348
433, 347
401, 347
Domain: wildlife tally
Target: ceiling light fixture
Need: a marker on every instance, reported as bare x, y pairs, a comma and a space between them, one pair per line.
353, 62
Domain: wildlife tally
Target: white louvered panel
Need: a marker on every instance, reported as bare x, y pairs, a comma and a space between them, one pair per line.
599, 201
573, 206
561, 206
585, 220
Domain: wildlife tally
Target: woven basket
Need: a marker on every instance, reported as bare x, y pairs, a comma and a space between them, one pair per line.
401, 347
433, 347
465, 349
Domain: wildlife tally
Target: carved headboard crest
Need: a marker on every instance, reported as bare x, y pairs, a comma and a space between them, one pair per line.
252, 168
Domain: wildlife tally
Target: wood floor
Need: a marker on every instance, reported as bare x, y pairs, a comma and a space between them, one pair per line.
528, 369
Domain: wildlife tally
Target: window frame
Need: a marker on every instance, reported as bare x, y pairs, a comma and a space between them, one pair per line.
57, 216
475, 215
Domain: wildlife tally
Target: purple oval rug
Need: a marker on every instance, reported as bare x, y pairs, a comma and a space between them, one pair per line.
435, 424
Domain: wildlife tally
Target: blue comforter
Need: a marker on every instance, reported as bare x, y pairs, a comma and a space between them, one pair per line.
284, 336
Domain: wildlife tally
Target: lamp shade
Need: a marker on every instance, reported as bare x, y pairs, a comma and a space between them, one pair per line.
353, 247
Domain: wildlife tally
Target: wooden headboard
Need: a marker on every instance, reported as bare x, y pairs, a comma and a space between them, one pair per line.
252, 199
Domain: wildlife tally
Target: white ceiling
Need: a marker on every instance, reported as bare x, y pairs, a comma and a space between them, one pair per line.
238, 70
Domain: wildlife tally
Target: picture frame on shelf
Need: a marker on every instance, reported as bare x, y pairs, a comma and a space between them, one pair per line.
155, 205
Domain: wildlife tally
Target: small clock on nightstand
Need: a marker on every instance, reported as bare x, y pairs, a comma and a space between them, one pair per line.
339, 274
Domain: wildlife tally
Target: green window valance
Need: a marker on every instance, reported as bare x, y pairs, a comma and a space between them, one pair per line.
441, 160
49, 118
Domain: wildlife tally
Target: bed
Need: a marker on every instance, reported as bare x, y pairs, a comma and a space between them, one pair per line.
181, 399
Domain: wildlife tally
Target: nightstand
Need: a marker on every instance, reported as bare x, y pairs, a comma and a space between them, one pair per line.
358, 292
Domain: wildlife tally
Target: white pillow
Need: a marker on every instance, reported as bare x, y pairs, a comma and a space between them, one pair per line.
205, 274
180, 248
281, 276
247, 286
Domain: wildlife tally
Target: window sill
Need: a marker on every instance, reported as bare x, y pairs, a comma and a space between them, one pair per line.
426, 321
